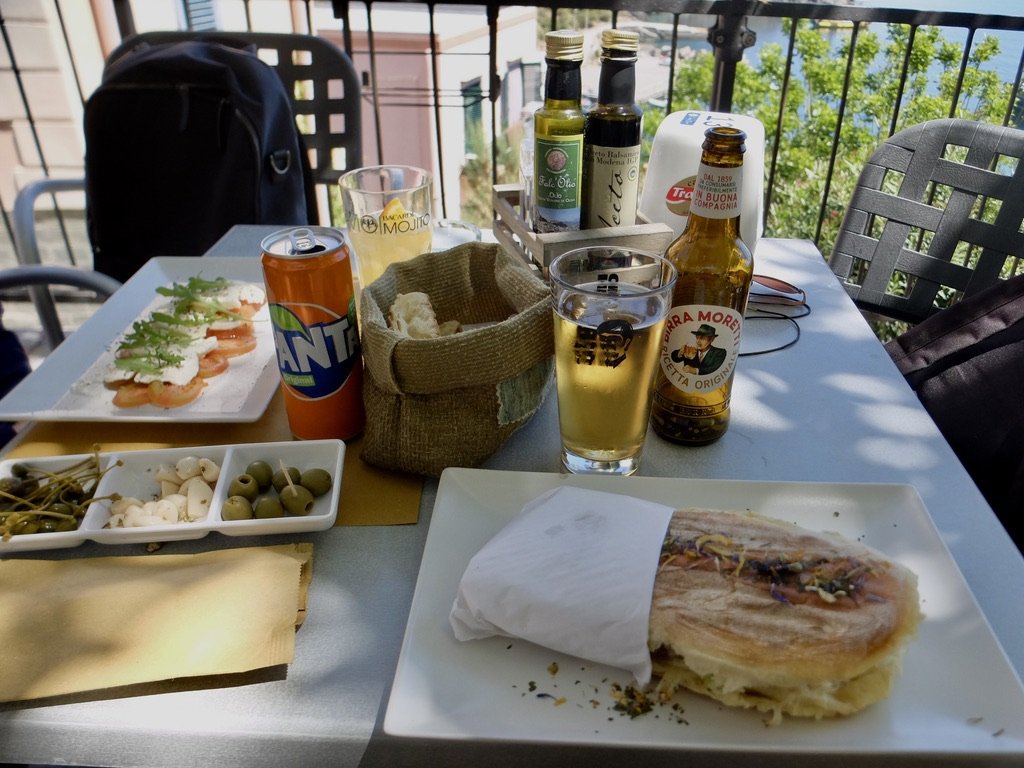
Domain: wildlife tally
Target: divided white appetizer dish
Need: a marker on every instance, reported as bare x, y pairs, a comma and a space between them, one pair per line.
137, 476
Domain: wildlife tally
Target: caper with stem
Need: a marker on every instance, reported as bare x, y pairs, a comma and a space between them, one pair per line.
34, 495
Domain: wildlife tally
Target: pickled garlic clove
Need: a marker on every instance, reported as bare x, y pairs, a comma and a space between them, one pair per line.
188, 467
167, 473
209, 470
199, 496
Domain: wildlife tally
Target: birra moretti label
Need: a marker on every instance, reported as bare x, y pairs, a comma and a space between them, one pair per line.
315, 358
702, 342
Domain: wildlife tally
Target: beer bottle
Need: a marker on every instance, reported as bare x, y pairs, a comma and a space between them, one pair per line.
611, 138
702, 333
558, 136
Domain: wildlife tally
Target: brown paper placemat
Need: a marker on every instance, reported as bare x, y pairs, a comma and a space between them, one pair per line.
369, 496
92, 624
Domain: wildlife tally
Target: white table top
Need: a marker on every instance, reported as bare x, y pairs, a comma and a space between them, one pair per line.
832, 408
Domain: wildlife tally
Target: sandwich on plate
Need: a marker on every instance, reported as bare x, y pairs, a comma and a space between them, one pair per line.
758, 613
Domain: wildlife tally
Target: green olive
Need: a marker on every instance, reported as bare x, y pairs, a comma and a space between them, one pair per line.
317, 481
268, 506
244, 485
280, 481
297, 500
48, 525
236, 508
261, 472
67, 525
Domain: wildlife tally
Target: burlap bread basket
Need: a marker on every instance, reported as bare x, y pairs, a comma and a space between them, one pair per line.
451, 401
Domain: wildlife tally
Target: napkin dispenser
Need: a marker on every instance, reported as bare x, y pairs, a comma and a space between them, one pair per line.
675, 155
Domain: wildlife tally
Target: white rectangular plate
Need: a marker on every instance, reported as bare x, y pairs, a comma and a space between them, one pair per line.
68, 385
134, 477
957, 693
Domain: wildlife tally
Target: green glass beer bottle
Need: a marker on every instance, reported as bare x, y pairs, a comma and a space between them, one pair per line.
558, 136
702, 333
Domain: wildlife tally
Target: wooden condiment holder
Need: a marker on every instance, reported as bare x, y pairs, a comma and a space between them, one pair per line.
539, 250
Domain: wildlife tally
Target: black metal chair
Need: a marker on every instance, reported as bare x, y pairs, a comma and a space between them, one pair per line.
936, 216
38, 280
325, 92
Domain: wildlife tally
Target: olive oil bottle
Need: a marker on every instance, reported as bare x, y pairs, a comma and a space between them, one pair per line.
611, 138
702, 334
558, 136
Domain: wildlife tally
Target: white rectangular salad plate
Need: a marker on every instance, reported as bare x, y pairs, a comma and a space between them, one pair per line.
135, 477
68, 385
957, 694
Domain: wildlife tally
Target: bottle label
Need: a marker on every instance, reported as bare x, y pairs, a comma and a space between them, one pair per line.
716, 192
558, 169
613, 175
702, 342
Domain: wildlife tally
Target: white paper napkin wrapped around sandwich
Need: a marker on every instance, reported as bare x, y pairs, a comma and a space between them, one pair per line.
752, 611
573, 573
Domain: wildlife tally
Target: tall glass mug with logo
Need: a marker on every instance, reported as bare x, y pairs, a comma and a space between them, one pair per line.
609, 307
389, 212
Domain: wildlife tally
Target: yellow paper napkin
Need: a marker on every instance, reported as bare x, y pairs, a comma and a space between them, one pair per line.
69, 626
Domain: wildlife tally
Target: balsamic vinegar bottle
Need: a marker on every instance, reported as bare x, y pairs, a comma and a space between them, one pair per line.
558, 136
702, 334
611, 138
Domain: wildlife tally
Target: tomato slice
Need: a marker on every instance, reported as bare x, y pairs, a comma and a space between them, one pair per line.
236, 346
248, 309
212, 364
175, 395
242, 330
131, 395
116, 384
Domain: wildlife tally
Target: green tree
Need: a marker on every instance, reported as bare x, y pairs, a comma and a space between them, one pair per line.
811, 109
475, 179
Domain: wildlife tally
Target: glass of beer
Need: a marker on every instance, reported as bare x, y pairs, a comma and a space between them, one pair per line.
609, 307
388, 212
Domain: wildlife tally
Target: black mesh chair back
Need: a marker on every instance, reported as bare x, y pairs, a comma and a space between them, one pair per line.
936, 216
325, 92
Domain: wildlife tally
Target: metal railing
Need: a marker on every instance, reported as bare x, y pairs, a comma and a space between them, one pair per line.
730, 34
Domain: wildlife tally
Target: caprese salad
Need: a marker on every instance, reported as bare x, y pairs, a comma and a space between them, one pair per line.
167, 356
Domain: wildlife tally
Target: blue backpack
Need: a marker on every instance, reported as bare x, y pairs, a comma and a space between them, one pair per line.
184, 140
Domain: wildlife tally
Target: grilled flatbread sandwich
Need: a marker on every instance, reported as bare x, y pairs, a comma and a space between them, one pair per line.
759, 613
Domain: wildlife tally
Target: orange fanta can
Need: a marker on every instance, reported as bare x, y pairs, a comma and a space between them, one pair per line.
308, 276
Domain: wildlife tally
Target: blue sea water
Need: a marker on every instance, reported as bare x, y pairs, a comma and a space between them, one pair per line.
1010, 43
